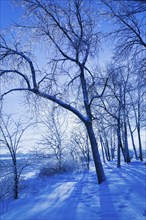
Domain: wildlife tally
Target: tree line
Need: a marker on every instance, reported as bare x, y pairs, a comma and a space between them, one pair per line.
67, 36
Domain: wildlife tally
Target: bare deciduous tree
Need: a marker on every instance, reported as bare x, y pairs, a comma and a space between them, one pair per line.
129, 31
53, 140
80, 144
70, 30
11, 137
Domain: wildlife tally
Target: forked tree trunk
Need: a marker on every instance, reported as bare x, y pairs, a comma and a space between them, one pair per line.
97, 161
132, 139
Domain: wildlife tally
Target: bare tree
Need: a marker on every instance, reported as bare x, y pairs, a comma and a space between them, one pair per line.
11, 138
71, 31
129, 27
138, 111
132, 136
128, 32
53, 140
114, 103
80, 144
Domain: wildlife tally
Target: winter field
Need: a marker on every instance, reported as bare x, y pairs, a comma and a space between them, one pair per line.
77, 196
72, 90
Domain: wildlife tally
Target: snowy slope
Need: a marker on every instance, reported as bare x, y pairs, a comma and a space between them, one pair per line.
79, 197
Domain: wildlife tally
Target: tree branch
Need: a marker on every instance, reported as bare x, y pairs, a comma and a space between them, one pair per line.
102, 93
17, 72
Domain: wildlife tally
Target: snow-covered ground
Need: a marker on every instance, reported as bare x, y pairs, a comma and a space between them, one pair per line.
78, 196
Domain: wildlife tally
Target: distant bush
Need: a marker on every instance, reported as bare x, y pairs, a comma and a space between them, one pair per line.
6, 186
6, 179
50, 169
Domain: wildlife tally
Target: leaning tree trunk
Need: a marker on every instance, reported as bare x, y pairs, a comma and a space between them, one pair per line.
98, 164
89, 126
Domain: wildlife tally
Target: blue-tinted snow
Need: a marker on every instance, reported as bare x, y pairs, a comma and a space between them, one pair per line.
78, 196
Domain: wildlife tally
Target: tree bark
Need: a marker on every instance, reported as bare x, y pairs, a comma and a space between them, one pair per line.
126, 143
119, 146
140, 145
16, 182
108, 151
97, 161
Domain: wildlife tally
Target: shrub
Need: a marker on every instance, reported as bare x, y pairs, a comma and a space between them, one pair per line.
50, 169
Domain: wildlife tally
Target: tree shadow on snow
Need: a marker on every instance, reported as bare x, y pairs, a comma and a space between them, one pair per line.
68, 208
107, 209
